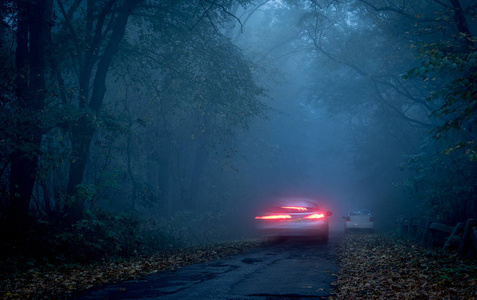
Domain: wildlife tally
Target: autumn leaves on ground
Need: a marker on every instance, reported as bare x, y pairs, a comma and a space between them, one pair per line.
386, 267
371, 267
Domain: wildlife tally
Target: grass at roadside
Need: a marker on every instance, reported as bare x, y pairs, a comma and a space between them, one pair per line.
378, 266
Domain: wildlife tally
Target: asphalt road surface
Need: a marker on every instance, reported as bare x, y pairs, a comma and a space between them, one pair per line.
291, 269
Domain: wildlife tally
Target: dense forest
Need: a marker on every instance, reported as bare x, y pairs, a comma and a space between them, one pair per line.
133, 125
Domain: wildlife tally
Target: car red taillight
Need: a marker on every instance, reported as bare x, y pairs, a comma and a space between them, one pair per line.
295, 208
315, 216
273, 217
348, 219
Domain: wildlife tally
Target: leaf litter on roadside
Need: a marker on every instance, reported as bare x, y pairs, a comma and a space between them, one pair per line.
371, 267
62, 282
374, 266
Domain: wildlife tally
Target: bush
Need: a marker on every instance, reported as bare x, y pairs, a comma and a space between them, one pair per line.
100, 235
186, 228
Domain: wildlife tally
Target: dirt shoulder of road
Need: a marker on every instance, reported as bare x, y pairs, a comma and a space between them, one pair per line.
377, 266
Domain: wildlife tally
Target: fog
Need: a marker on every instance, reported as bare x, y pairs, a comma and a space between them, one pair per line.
303, 148
184, 118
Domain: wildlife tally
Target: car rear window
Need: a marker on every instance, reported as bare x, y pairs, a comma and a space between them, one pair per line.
360, 212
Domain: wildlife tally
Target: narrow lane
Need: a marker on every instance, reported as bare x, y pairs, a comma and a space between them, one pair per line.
292, 269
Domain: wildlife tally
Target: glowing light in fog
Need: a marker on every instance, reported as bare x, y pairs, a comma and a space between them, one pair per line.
315, 216
295, 207
273, 217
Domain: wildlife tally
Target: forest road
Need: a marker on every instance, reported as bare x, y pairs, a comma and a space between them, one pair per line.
291, 269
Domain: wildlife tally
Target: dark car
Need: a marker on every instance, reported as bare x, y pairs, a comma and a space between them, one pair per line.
295, 217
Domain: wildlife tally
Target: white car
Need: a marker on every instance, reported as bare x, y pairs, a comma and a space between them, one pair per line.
293, 217
359, 219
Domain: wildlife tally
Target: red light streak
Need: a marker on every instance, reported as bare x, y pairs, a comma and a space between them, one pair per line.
273, 217
315, 216
295, 207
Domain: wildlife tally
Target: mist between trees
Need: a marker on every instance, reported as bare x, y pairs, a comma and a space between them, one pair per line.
129, 125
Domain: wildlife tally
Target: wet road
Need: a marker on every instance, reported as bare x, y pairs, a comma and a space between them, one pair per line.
291, 269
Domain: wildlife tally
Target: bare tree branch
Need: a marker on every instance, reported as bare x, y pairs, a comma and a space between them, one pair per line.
67, 23
398, 11
224, 9
374, 82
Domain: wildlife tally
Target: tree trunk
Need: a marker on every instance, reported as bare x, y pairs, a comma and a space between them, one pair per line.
198, 168
30, 84
82, 133
135, 186
459, 18
163, 159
